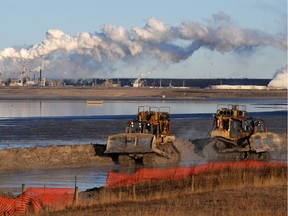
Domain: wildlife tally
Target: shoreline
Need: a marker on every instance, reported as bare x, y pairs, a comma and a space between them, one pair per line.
173, 117
129, 93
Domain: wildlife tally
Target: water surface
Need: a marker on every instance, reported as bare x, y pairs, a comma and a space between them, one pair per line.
52, 108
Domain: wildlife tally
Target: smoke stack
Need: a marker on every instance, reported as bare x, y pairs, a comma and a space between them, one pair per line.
40, 78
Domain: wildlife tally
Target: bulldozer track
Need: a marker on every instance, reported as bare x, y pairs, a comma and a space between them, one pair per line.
172, 156
238, 156
126, 160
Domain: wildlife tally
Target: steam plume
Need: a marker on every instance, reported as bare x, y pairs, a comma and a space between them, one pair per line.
87, 52
280, 79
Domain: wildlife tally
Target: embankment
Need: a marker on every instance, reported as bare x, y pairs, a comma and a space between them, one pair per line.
50, 157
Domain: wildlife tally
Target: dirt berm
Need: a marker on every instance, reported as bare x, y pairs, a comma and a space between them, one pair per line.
89, 155
50, 157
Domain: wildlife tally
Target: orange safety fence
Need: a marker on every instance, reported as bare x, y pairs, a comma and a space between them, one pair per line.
56, 198
118, 179
236, 165
26, 204
7, 206
35, 199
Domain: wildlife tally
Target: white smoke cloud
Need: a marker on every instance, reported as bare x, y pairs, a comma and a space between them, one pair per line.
154, 31
92, 52
280, 79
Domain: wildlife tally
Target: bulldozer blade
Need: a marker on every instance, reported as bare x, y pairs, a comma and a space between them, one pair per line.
130, 143
265, 141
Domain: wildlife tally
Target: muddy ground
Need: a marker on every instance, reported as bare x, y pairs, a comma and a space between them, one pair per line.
97, 131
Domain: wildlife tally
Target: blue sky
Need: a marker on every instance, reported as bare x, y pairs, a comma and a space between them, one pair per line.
25, 23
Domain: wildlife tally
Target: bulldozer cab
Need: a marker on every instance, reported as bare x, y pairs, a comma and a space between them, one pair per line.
151, 120
233, 123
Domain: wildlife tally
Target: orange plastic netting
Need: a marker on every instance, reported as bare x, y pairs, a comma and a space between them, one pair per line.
35, 199
118, 179
54, 197
7, 206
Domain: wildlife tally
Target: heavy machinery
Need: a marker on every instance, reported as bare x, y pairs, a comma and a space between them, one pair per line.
147, 140
238, 136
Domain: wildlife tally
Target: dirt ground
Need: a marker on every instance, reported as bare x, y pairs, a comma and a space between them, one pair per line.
97, 93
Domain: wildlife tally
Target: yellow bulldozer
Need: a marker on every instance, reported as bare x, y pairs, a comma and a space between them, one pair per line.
238, 136
147, 140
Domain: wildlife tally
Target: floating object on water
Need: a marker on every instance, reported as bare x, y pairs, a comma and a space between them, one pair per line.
94, 102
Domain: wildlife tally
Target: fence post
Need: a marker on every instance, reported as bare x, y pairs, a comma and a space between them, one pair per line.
283, 176
134, 192
23, 188
192, 183
272, 175
75, 199
244, 177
